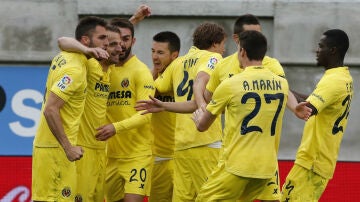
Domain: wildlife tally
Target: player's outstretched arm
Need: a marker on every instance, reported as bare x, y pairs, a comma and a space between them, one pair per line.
149, 106
303, 111
299, 96
154, 106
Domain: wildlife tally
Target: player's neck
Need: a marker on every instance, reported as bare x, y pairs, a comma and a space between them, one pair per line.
248, 63
122, 62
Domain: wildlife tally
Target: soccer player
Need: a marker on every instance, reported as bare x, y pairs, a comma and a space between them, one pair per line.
317, 154
165, 49
230, 66
54, 152
91, 168
129, 136
196, 154
255, 102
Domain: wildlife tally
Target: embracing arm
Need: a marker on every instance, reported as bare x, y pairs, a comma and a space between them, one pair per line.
72, 45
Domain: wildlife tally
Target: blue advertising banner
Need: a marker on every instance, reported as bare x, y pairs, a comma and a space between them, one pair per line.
21, 95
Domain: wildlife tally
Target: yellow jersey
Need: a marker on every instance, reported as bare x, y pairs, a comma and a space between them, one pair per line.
129, 83
66, 79
324, 131
230, 66
94, 116
163, 127
255, 102
179, 78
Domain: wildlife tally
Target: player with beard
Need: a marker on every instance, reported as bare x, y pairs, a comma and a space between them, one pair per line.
91, 168
129, 136
54, 170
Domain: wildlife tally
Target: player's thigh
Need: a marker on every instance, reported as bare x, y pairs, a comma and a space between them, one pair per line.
114, 180
191, 169
53, 175
271, 191
162, 181
202, 161
137, 174
303, 185
225, 186
91, 175
183, 185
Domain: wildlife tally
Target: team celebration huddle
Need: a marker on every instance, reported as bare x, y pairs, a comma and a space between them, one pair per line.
193, 127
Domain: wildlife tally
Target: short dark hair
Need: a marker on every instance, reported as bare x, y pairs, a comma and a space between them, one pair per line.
339, 39
208, 33
254, 43
247, 19
123, 23
87, 26
168, 37
113, 28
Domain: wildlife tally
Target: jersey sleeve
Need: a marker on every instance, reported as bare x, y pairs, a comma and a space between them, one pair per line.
323, 95
67, 82
214, 80
208, 65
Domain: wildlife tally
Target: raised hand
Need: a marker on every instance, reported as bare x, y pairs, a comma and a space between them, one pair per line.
142, 11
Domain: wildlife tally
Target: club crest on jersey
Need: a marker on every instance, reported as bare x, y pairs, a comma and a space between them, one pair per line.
66, 192
64, 82
125, 83
78, 198
212, 62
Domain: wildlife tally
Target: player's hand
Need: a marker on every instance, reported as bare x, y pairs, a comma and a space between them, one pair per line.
105, 132
302, 111
74, 153
142, 11
197, 114
149, 106
97, 53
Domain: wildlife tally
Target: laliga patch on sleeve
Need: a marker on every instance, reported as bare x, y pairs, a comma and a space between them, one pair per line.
212, 62
64, 82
